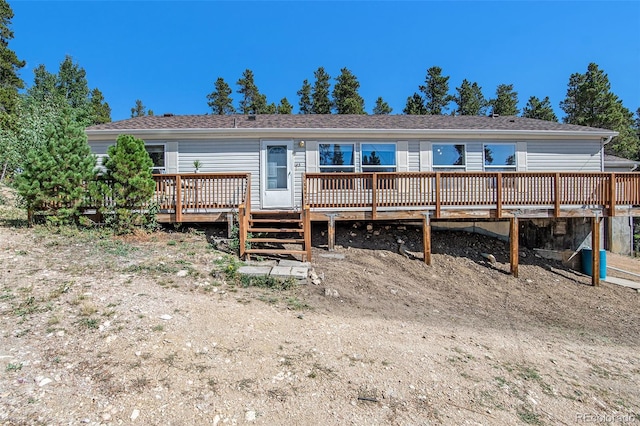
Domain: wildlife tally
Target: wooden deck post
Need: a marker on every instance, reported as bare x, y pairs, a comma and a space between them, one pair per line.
438, 195
499, 196
331, 232
556, 195
595, 250
374, 200
426, 238
178, 206
242, 229
513, 245
307, 232
612, 195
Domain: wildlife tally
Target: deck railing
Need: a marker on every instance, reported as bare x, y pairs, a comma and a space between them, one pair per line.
470, 189
200, 192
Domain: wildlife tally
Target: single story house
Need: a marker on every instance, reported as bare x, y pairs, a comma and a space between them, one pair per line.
353, 167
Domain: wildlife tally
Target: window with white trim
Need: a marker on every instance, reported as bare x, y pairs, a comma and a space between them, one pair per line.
156, 152
378, 157
336, 157
449, 157
499, 157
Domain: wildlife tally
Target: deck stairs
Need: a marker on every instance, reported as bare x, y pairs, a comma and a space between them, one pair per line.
274, 232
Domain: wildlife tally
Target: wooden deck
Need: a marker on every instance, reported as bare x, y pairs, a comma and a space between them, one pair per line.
420, 196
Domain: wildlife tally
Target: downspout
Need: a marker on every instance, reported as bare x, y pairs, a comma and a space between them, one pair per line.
603, 142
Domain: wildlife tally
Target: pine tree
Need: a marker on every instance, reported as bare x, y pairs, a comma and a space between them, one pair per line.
10, 81
100, 111
436, 91
131, 187
252, 101
71, 84
43, 89
469, 100
506, 101
305, 98
284, 107
55, 176
346, 98
415, 105
590, 102
139, 110
220, 100
382, 108
541, 110
321, 104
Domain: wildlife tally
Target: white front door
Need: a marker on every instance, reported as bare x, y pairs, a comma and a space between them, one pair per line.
276, 174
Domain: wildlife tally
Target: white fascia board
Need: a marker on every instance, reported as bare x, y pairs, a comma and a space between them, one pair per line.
347, 133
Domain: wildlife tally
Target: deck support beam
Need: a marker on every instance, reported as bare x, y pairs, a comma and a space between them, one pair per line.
229, 225
426, 238
306, 225
595, 250
513, 245
331, 232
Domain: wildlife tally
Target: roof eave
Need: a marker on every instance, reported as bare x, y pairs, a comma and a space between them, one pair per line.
204, 133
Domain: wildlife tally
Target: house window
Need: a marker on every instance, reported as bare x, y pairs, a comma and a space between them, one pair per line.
449, 157
335, 157
156, 152
499, 157
378, 157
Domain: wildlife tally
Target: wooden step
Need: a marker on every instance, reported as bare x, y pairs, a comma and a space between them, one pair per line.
277, 240
275, 251
283, 230
275, 212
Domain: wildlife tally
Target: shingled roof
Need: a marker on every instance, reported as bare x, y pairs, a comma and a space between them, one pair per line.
352, 122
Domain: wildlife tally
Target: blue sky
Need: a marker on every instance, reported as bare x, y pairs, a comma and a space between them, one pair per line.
169, 53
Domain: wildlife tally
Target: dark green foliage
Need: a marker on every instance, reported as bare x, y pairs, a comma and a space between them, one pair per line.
415, 105
10, 81
382, 108
469, 99
99, 109
131, 184
346, 98
436, 91
321, 104
252, 102
55, 176
284, 107
71, 84
220, 100
139, 110
506, 101
305, 98
541, 110
590, 102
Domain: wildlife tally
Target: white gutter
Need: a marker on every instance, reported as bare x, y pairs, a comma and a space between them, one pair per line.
204, 133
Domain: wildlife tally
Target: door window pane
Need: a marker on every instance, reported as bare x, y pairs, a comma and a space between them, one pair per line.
277, 167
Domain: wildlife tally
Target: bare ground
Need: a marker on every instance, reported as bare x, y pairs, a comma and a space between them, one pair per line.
103, 330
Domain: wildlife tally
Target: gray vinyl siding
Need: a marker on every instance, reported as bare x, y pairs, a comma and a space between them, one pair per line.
220, 156
299, 166
583, 156
475, 157
414, 156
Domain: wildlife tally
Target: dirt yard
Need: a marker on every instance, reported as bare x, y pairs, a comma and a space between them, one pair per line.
151, 330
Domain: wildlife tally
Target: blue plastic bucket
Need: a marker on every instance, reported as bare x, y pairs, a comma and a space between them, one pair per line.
586, 257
